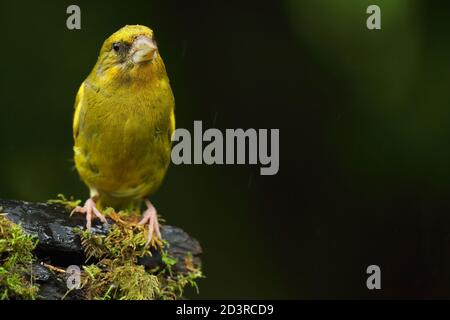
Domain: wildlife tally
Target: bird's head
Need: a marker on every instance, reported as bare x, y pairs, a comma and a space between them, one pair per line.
130, 50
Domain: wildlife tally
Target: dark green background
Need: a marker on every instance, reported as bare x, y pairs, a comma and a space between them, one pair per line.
363, 116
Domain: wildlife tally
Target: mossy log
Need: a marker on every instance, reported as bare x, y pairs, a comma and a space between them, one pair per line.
59, 245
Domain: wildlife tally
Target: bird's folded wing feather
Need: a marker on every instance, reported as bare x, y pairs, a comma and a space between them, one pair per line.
76, 117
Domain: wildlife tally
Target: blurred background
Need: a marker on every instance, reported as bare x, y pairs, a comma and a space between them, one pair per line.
364, 134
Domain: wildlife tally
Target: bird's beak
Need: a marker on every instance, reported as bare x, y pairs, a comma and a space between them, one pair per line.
144, 49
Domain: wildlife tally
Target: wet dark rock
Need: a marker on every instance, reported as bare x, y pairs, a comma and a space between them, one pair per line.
60, 246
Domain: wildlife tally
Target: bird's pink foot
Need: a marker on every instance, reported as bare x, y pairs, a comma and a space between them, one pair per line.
150, 216
89, 209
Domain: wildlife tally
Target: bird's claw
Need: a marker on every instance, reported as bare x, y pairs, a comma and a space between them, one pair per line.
150, 216
89, 209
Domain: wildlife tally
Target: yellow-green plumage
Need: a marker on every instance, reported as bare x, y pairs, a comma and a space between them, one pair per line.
123, 123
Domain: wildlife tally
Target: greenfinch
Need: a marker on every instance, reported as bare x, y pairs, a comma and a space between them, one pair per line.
123, 125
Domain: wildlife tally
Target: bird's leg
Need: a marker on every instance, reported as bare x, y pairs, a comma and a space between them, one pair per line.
90, 208
150, 216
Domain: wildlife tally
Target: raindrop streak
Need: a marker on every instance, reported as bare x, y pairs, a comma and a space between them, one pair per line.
215, 118
249, 180
183, 51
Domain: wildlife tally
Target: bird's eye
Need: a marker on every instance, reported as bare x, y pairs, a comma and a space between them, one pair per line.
116, 46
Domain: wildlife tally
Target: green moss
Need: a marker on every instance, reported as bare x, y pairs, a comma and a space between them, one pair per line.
173, 284
16, 260
70, 203
117, 275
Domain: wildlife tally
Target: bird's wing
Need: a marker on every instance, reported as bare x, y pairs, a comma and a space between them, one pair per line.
76, 116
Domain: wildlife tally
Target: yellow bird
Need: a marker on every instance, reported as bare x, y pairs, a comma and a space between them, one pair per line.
123, 124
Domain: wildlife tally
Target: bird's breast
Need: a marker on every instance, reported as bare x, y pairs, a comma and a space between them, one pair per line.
123, 139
